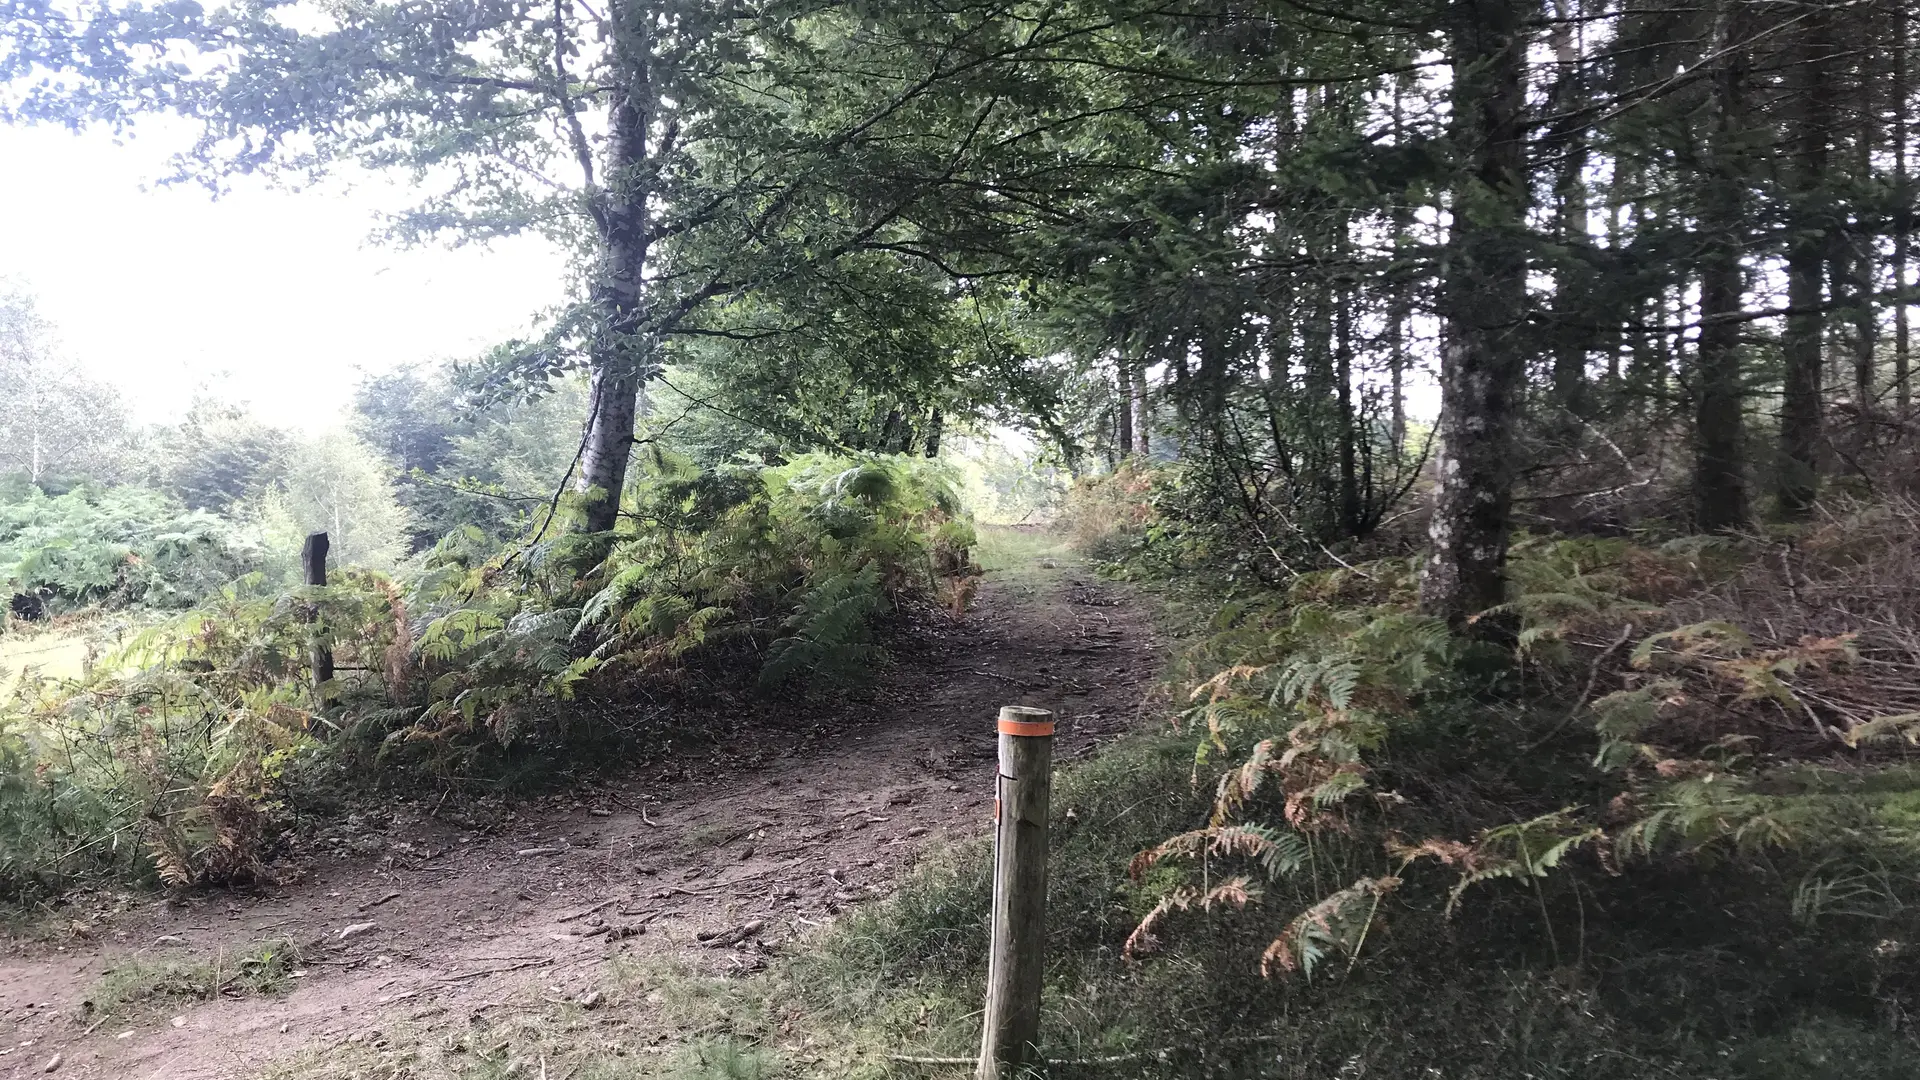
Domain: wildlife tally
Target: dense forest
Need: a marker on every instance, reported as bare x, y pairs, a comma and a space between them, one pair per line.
1505, 409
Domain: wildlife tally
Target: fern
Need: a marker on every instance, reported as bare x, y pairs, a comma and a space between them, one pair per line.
458, 632
1689, 642
1280, 853
1524, 850
828, 631
1338, 923
1623, 716
1235, 893
1902, 726
1715, 809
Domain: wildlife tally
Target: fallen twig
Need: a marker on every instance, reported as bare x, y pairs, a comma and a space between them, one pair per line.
725, 938
495, 971
584, 912
1160, 1053
641, 810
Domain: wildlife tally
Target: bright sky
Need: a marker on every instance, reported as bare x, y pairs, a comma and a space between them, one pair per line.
266, 296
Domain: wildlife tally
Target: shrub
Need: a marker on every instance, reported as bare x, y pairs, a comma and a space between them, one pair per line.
116, 547
1687, 782
172, 754
1108, 516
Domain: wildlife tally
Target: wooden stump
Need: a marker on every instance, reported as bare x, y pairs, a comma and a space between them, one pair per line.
313, 560
1009, 1042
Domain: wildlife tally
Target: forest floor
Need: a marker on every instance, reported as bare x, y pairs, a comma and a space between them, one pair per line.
423, 945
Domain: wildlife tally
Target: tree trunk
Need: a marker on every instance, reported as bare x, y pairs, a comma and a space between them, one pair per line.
1317, 412
1124, 374
1660, 373
1278, 387
1620, 339
1719, 482
1798, 475
614, 408
1397, 376
1902, 386
1343, 375
889, 439
1865, 327
935, 426
1862, 279
1483, 301
1399, 311
621, 356
1142, 409
1573, 290
1400, 306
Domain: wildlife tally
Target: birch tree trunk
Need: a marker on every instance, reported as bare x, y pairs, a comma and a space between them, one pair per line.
622, 354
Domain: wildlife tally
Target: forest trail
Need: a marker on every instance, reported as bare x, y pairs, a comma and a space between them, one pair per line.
711, 862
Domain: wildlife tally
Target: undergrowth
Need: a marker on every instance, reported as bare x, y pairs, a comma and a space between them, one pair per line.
114, 547
178, 755
1669, 831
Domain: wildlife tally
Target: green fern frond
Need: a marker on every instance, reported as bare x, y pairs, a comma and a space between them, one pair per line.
1523, 850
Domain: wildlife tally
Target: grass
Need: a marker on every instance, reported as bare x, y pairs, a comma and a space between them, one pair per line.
709, 835
54, 655
1667, 992
143, 985
1023, 561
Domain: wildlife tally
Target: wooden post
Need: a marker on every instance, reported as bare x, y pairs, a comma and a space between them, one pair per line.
1009, 1043
313, 560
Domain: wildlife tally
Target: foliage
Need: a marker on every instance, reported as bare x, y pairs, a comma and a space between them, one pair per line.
334, 484
1237, 233
56, 425
218, 456
174, 751
165, 758
1108, 515
1011, 485
116, 547
411, 416
1479, 897
457, 462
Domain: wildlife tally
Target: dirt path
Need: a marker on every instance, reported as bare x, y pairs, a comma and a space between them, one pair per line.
653, 864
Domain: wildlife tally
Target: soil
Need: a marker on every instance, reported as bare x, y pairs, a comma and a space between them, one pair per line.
714, 859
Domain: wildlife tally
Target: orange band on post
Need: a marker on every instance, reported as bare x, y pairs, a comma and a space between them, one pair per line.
1026, 727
